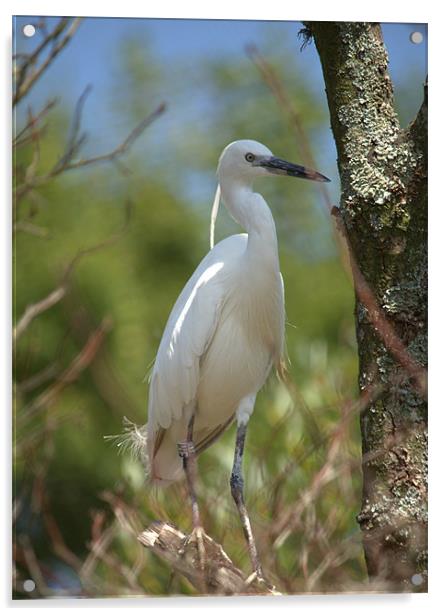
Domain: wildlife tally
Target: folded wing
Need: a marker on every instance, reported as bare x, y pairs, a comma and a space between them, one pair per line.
189, 330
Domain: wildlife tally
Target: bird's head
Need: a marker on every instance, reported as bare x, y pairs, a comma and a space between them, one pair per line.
246, 159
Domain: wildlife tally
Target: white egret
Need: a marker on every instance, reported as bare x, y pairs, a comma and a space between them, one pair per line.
224, 334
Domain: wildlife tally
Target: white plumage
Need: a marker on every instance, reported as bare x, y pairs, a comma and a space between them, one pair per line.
226, 329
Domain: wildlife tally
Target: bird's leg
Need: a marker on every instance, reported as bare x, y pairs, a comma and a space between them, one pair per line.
237, 495
186, 451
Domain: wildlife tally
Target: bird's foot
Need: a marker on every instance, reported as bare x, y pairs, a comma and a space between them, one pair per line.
258, 579
197, 537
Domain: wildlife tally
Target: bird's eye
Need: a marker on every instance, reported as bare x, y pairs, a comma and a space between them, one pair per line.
249, 157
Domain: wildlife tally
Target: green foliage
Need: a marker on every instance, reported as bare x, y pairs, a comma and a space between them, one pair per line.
62, 462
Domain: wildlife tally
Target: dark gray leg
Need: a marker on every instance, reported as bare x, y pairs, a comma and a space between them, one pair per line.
186, 451
237, 495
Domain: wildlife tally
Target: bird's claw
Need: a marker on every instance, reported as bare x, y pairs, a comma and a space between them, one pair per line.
257, 578
195, 536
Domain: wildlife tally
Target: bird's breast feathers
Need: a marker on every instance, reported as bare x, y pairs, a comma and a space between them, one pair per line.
257, 302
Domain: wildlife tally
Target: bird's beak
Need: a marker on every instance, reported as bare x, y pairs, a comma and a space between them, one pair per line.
283, 167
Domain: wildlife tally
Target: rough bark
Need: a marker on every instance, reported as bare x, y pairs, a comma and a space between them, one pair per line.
220, 576
383, 171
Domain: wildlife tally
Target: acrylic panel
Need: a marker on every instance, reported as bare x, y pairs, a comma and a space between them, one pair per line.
220, 299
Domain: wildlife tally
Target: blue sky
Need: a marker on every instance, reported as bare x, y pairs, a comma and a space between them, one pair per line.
90, 56
93, 55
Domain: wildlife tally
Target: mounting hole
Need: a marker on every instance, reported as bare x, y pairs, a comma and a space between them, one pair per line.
417, 579
416, 38
29, 585
29, 30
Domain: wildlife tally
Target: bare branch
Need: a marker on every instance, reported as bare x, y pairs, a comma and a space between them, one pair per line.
33, 565
66, 163
222, 576
273, 81
98, 548
21, 138
284, 526
74, 140
107, 242
24, 82
36, 380
31, 59
55, 296
34, 310
72, 373
383, 172
382, 325
28, 227
60, 547
125, 145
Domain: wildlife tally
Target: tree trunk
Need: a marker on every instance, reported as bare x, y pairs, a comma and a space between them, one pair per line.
383, 171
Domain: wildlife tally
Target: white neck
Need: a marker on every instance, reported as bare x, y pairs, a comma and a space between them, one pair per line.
251, 211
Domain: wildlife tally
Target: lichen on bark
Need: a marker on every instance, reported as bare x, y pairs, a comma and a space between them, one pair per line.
383, 172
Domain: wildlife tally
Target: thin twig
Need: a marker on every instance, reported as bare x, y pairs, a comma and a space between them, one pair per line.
24, 84
27, 227
55, 296
283, 526
33, 565
125, 145
34, 310
72, 373
31, 59
68, 164
101, 245
98, 547
376, 317
33, 121
274, 83
75, 140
